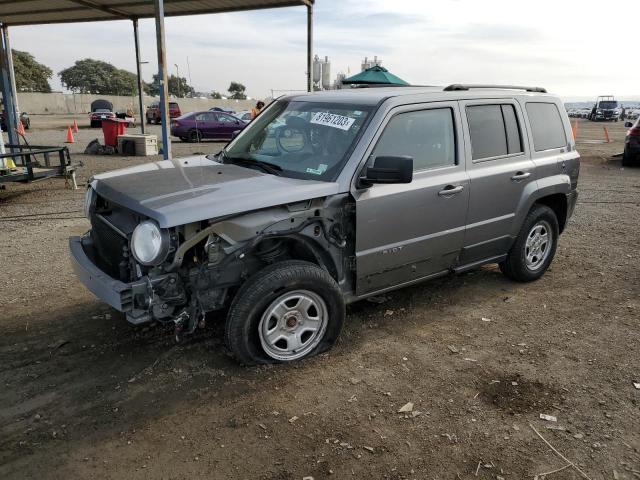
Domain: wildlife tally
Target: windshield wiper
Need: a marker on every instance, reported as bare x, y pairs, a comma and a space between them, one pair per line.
267, 167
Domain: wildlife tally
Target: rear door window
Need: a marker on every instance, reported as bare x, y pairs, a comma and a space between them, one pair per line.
494, 131
427, 136
206, 117
224, 118
546, 126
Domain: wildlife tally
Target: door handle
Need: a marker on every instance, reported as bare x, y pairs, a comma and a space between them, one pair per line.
520, 176
451, 190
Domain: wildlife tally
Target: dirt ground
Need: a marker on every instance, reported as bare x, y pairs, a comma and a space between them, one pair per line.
85, 395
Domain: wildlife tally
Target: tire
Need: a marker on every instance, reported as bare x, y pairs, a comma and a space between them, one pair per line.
287, 285
628, 161
195, 136
516, 266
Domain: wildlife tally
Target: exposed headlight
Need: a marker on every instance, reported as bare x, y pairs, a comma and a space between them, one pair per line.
598, 111
89, 198
149, 244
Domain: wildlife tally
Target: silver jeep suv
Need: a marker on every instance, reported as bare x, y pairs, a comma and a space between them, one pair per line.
329, 198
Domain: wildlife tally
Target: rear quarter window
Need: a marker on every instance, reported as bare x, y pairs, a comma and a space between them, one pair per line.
546, 126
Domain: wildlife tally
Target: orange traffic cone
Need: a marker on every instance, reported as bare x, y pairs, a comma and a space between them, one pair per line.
69, 136
20, 129
75, 126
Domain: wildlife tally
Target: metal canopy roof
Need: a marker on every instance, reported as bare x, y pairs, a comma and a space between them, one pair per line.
35, 12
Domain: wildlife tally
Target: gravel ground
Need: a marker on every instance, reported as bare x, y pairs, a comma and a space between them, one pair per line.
85, 395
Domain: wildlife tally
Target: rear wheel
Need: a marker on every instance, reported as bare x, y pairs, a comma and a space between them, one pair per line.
195, 136
627, 160
288, 311
535, 246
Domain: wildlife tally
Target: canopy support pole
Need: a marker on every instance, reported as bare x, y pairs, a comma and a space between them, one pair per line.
310, 47
9, 95
136, 38
162, 78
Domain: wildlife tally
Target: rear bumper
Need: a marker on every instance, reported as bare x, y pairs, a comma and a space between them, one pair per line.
114, 292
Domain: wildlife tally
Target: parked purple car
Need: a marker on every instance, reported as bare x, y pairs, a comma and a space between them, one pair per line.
196, 126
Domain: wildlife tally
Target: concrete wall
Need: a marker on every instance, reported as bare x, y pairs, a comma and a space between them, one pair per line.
59, 103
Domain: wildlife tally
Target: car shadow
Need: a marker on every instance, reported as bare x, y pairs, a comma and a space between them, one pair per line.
85, 369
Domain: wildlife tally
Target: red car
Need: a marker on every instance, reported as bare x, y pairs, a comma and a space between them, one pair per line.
153, 112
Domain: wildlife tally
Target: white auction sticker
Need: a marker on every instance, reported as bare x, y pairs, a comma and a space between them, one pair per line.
333, 120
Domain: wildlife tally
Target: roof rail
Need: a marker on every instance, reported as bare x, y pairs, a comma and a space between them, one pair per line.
458, 87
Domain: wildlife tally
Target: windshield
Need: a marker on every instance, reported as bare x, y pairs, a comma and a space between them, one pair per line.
608, 104
305, 139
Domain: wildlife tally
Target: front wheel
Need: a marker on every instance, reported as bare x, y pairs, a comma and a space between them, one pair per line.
535, 246
287, 311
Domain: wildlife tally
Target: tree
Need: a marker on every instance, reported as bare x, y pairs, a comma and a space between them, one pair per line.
216, 95
178, 87
31, 76
96, 76
236, 91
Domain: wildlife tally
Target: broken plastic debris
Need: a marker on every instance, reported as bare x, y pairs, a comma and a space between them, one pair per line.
407, 407
556, 427
548, 418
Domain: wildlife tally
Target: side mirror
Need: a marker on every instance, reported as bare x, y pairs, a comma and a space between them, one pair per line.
388, 169
628, 124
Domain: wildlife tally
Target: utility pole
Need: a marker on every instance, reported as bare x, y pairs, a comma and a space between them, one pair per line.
178, 75
139, 71
162, 77
310, 47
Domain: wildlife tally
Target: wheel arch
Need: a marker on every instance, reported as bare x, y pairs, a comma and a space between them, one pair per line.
299, 247
558, 203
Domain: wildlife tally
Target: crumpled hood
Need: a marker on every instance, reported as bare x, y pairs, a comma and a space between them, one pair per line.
176, 192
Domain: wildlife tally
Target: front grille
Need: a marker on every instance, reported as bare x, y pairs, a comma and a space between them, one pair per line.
109, 246
110, 227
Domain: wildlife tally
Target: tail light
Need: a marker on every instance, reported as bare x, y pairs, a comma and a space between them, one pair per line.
633, 135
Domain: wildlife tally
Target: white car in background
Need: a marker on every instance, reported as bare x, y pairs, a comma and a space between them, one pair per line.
244, 115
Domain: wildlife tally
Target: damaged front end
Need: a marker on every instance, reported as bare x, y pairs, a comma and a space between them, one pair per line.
181, 273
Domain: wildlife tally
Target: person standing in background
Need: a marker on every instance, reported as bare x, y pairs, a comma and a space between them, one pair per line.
255, 111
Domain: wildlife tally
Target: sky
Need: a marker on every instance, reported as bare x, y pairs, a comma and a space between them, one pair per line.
549, 43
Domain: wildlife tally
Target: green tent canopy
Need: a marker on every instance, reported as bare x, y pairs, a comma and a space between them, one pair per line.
374, 76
